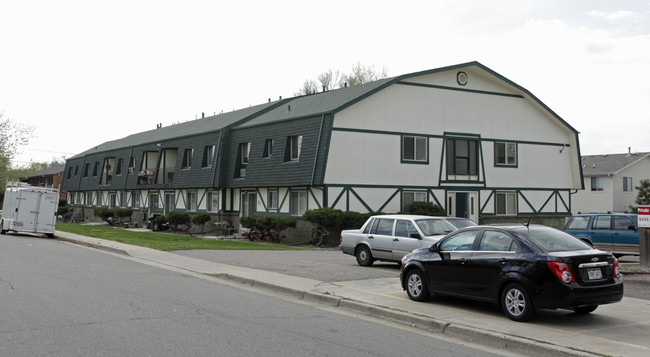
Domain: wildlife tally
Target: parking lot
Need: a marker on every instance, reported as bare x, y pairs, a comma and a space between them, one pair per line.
330, 265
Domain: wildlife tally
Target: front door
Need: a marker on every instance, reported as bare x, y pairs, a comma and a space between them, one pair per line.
463, 204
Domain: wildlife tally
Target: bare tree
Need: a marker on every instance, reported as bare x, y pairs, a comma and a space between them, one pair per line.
308, 87
329, 79
333, 79
362, 74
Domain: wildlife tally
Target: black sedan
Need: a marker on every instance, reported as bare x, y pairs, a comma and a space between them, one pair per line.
520, 267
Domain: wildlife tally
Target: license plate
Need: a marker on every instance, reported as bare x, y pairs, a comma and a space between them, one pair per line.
595, 274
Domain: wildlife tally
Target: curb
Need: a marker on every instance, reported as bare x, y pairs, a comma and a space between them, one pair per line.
493, 339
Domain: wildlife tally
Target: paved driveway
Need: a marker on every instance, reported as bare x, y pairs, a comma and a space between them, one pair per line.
327, 265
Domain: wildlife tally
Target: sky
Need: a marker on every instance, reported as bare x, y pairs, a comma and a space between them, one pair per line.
86, 72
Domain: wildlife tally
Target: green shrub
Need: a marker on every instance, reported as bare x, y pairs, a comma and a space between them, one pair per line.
426, 209
269, 226
122, 213
105, 214
176, 219
330, 222
201, 220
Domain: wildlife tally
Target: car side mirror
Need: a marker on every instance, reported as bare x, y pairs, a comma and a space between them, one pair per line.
631, 228
416, 235
434, 247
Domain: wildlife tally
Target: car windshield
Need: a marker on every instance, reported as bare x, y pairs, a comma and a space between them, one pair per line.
432, 227
553, 240
462, 223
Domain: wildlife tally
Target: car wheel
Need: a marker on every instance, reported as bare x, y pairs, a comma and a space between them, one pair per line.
582, 310
416, 286
364, 256
516, 303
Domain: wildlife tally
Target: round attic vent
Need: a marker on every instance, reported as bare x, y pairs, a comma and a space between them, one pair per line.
461, 78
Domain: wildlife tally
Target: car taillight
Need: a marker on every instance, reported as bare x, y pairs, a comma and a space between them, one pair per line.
561, 271
617, 273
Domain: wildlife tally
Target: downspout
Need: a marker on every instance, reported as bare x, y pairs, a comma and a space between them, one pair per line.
611, 174
320, 133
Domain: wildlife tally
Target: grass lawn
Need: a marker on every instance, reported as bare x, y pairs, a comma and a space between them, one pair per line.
162, 241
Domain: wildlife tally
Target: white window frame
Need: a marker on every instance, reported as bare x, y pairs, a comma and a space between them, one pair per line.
190, 201
416, 196
245, 152
298, 202
135, 199
419, 152
597, 184
628, 184
295, 147
187, 159
212, 204
272, 199
510, 202
509, 153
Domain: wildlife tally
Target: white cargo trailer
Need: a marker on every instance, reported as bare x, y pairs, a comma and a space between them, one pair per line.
29, 209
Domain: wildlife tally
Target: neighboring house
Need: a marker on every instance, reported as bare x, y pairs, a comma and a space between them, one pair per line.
610, 182
49, 177
462, 137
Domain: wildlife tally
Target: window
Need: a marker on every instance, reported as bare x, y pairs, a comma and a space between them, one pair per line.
384, 227
622, 223
213, 201
298, 202
118, 168
627, 184
208, 156
245, 152
404, 228
506, 203
112, 200
131, 164
187, 158
268, 148
122, 199
135, 199
578, 222
76, 170
414, 148
409, 197
460, 241
597, 183
69, 172
272, 199
505, 154
295, 144
95, 168
462, 157
99, 198
494, 241
602, 222
191, 201
169, 202
89, 198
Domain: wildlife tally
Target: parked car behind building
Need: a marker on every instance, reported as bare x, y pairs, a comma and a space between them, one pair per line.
612, 232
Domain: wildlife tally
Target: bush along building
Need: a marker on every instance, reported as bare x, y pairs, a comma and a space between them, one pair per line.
462, 137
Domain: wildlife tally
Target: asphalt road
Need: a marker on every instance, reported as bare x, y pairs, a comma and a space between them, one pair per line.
60, 299
331, 265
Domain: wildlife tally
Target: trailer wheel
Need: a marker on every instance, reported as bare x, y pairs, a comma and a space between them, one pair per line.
3, 231
49, 235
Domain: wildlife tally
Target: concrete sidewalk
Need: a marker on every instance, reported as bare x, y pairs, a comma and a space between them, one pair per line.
620, 329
